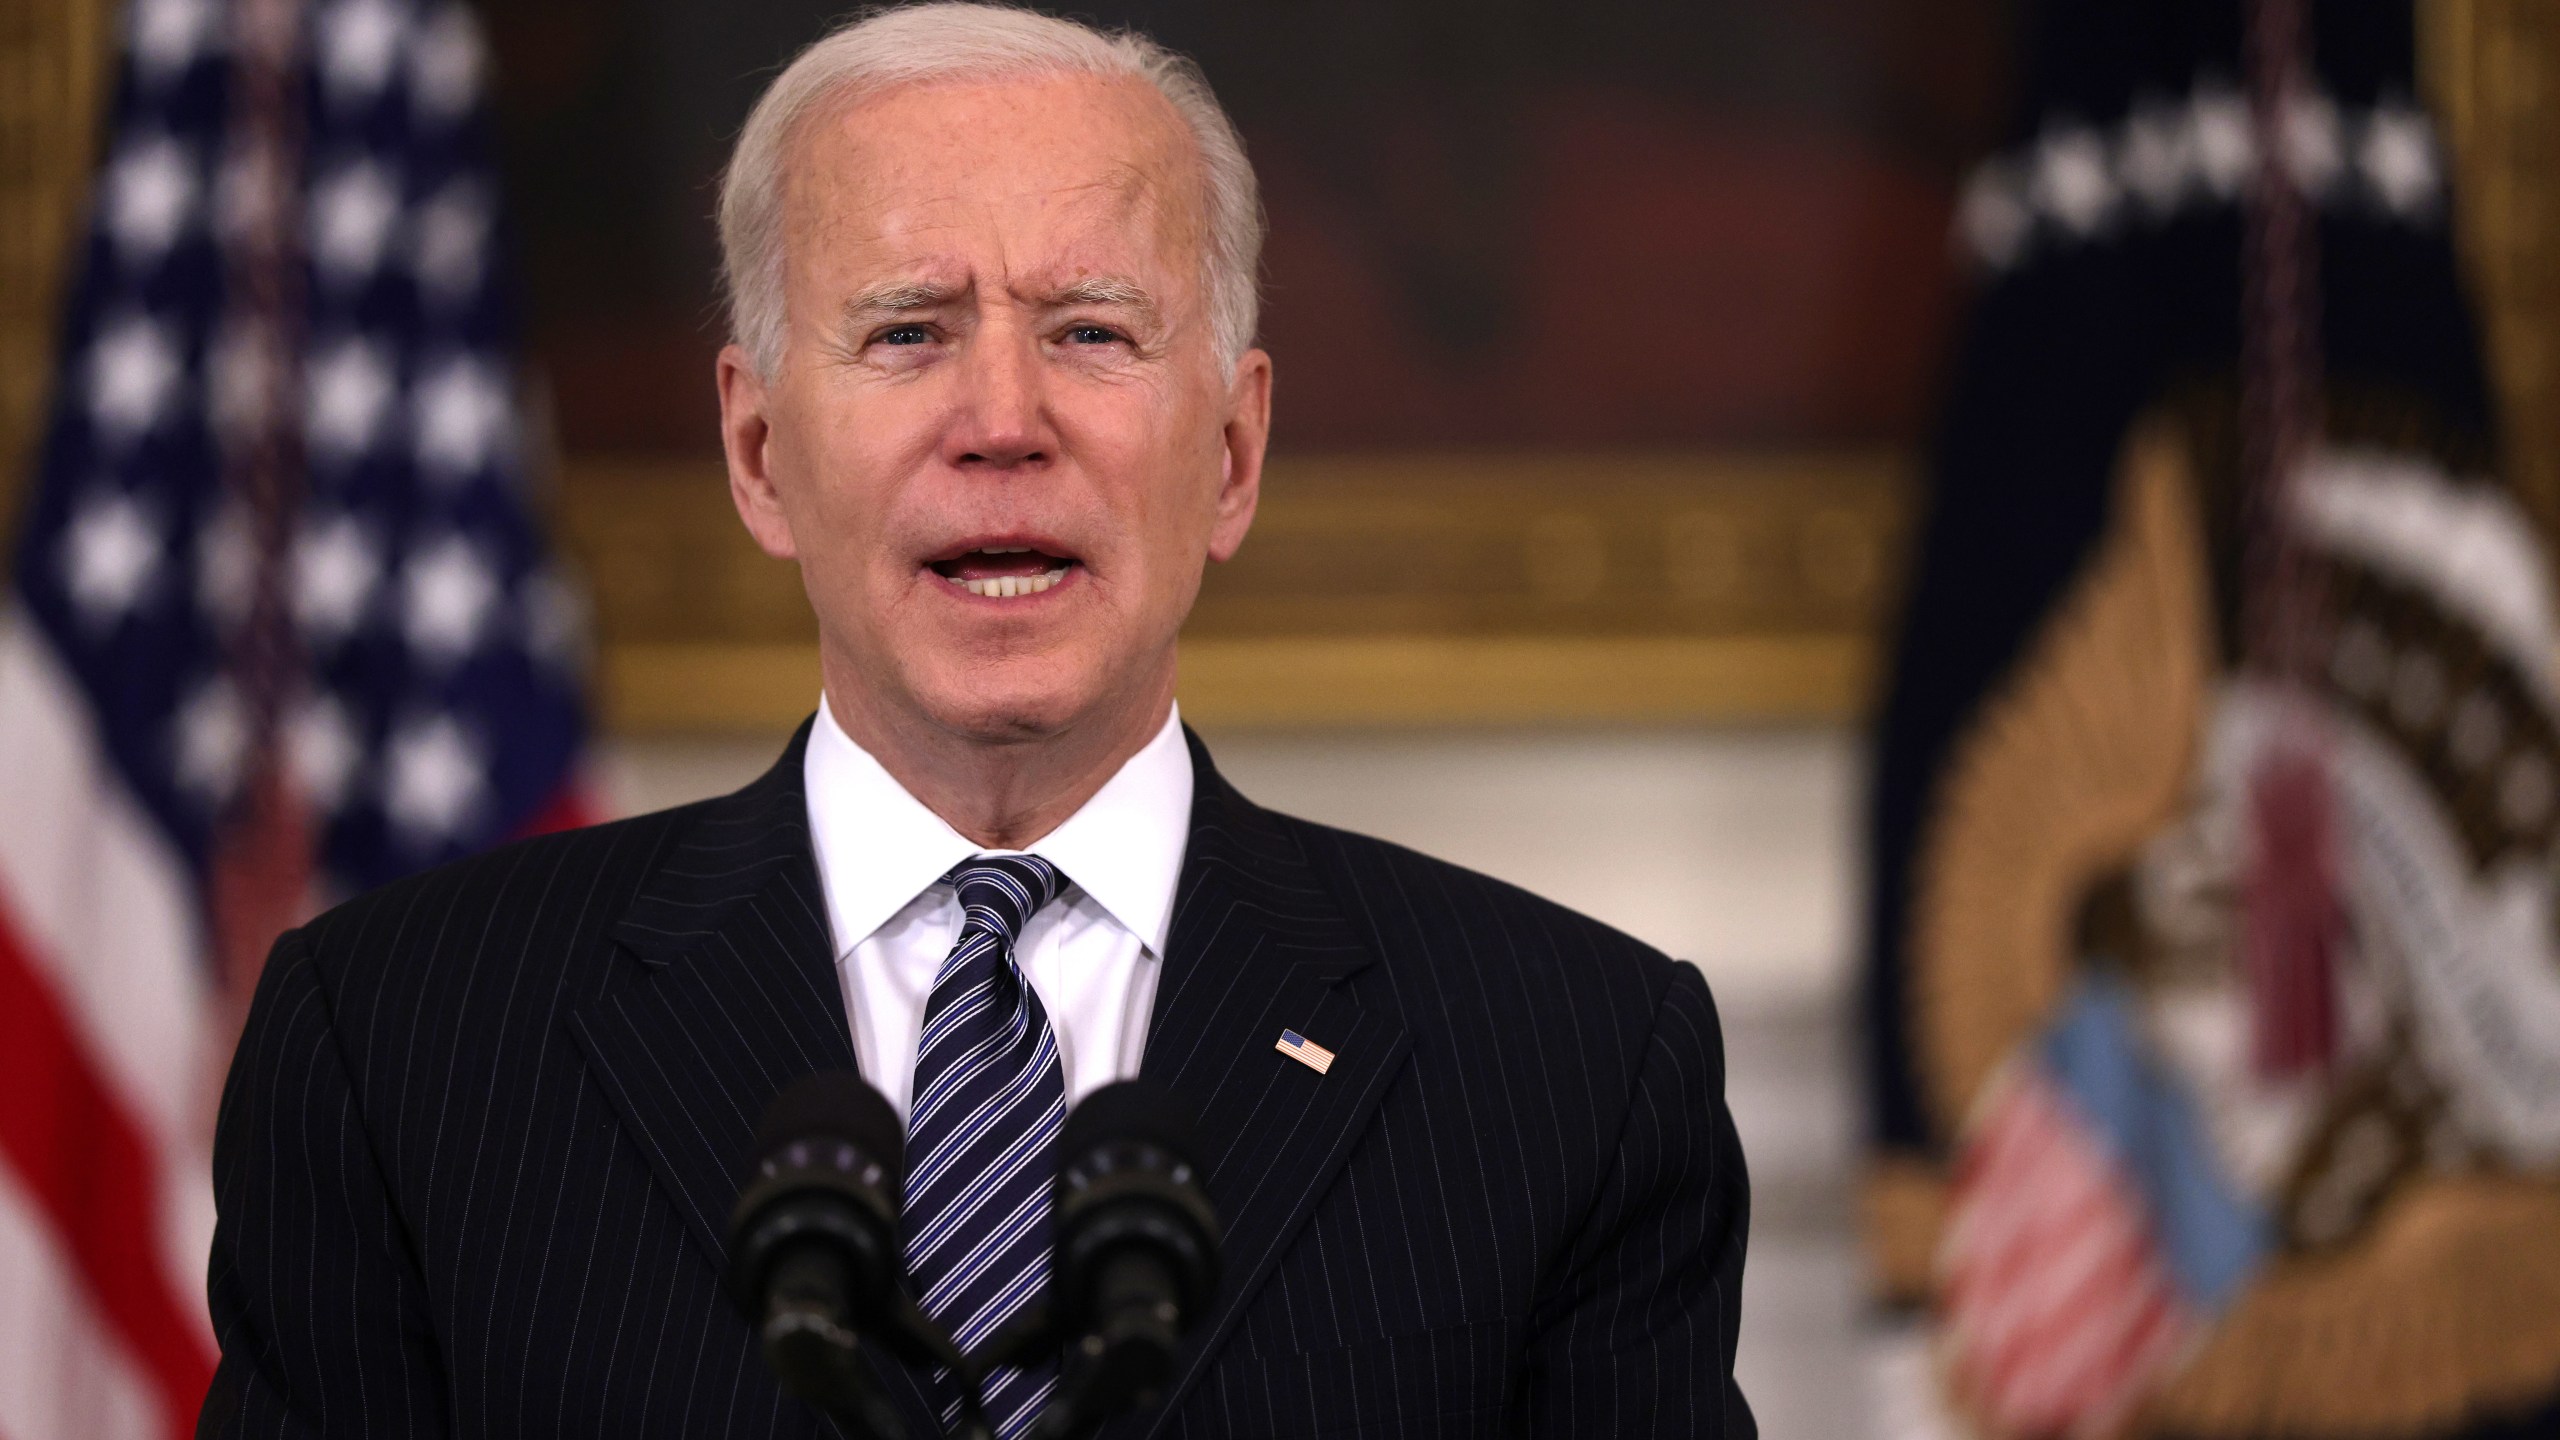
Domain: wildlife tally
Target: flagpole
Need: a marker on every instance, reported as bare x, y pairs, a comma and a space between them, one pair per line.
2293, 927
262, 847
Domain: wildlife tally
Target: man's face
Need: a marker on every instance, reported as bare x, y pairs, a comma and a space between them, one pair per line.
1000, 441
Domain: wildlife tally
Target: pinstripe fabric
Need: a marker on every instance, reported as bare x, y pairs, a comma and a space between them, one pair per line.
485, 1125
982, 1138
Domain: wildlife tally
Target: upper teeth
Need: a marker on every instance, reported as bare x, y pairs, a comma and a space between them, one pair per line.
1006, 586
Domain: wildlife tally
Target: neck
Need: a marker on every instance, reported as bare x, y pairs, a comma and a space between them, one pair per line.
1003, 794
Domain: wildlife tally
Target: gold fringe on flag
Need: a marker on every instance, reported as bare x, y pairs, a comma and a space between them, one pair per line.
2445, 1313
2087, 752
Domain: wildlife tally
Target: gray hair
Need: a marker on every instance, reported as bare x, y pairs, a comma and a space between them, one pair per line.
883, 48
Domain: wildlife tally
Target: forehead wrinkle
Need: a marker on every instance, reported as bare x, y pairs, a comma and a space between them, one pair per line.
1145, 189
1136, 186
1129, 200
919, 229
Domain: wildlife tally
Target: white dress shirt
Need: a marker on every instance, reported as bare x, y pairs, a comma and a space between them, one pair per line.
1092, 954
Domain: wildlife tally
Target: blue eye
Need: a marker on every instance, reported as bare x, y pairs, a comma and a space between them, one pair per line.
904, 335
1092, 335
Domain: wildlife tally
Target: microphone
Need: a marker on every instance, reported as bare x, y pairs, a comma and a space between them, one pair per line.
1136, 1264
815, 1260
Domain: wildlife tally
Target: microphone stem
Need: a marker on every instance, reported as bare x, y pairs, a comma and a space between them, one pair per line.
973, 1412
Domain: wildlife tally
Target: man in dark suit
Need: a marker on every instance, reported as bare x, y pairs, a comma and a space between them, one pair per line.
993, 390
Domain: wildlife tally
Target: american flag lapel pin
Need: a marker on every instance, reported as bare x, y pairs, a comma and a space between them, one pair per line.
1305, 1051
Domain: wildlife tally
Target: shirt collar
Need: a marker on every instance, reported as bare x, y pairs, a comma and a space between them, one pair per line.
878, 847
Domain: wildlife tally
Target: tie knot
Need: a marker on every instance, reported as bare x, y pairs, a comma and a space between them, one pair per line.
1000, 893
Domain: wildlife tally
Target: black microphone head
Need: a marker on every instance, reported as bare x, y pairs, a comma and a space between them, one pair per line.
1136, 1266
1130, 1111
1127, 1175
825, 1172
838, 1106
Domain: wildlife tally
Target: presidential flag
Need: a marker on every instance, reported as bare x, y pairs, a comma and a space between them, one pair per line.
2214, 983
281, 626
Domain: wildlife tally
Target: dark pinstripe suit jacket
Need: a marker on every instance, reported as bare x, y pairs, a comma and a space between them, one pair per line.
485, 1125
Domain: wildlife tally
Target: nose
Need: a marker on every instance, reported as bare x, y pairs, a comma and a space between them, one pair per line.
1003, 422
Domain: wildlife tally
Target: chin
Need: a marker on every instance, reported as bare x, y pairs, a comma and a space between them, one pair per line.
1018, 701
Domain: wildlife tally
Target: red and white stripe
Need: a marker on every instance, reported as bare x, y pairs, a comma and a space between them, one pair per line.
2057, 1311
111, 1050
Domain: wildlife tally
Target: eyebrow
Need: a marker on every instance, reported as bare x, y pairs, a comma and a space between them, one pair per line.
893, 296
1105, 290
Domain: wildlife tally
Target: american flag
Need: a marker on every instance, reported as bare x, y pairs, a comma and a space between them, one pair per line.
282, 626
2093, 1236
1305, 1051
2058, 1306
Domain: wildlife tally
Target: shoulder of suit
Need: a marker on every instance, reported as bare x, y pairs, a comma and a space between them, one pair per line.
1396, 888
593, 870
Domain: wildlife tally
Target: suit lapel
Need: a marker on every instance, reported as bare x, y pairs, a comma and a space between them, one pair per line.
730, 994
1259, 945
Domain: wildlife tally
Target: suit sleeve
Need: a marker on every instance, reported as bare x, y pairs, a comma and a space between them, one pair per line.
317, 1298
1637, 1337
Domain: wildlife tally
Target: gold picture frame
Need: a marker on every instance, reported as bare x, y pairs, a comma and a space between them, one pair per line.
1374, 590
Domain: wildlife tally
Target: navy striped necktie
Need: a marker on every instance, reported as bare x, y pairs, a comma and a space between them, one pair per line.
982, 1131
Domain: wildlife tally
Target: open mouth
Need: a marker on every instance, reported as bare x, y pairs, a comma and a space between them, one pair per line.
1002, 572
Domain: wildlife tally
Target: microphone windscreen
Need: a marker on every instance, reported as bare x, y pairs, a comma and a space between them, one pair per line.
1130, 1110
835, 1105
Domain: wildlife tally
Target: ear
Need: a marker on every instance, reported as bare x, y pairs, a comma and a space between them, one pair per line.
1247, 435
746, 437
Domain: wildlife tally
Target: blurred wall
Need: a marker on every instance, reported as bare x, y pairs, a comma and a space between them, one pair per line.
53, 56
